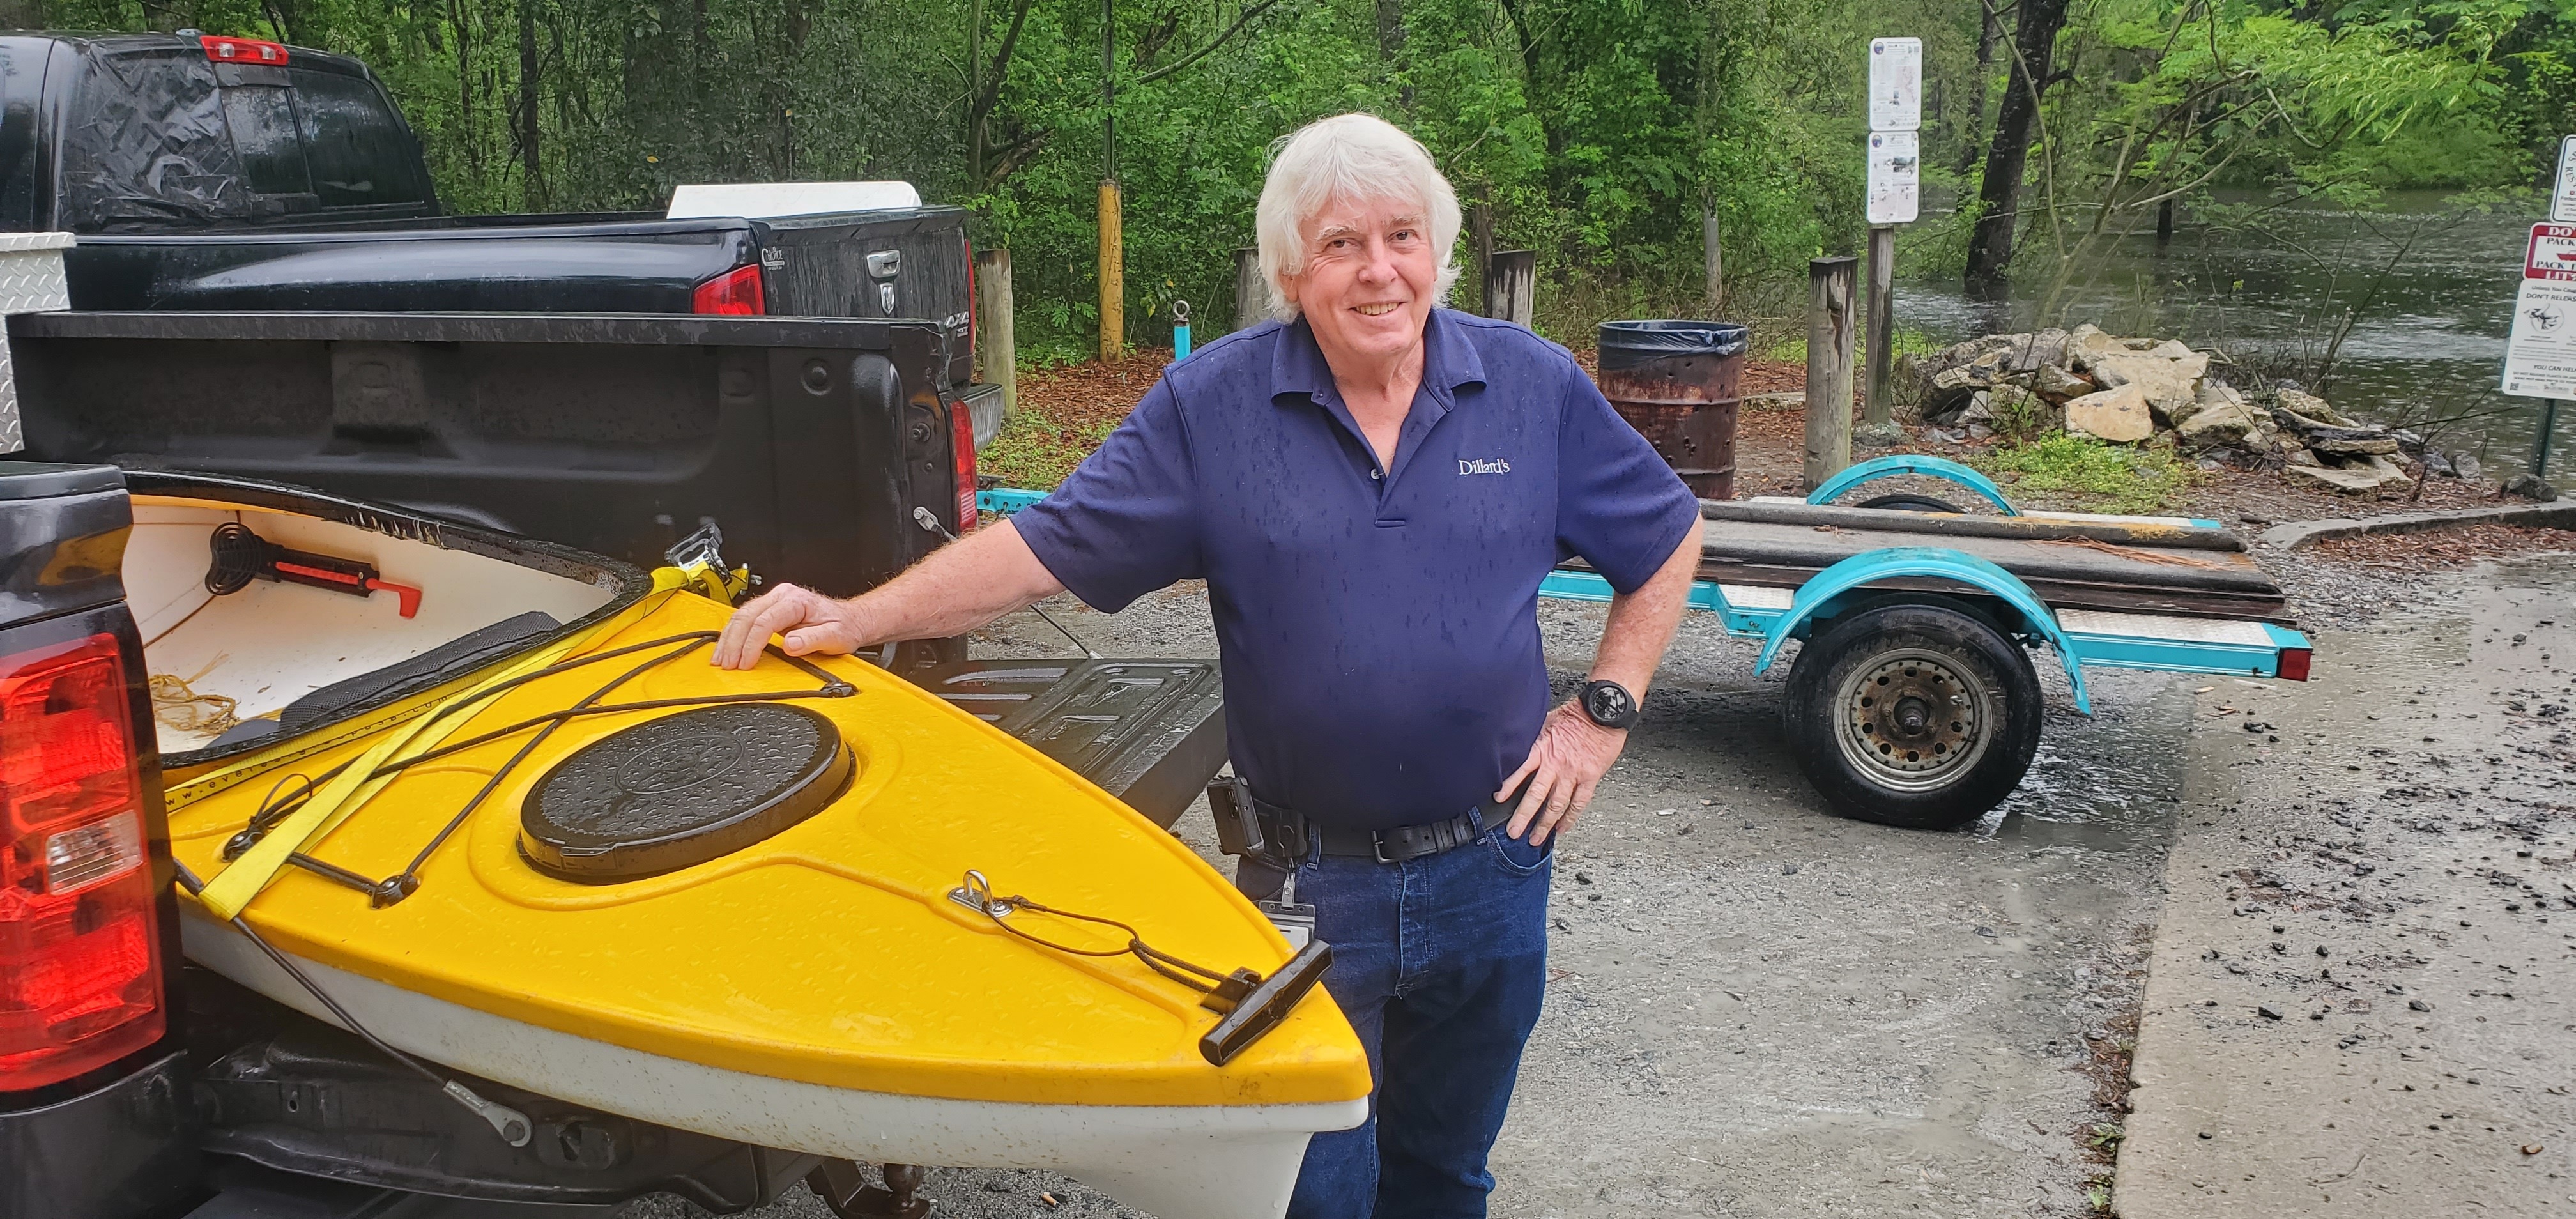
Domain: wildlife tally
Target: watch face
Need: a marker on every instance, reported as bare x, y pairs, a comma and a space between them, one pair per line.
1607, 704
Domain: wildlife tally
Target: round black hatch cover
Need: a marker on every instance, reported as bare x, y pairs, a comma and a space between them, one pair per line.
681, 790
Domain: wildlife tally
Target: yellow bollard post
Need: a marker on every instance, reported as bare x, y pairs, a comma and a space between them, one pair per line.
1113, 292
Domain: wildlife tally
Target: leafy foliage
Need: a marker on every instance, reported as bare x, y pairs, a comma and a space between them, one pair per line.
1598, 132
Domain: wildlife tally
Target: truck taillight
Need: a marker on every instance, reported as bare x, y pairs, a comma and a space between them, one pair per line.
736, 292
80, 967
242, 50
961, 431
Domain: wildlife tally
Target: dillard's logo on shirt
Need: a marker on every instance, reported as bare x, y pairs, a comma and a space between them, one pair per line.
1484, 465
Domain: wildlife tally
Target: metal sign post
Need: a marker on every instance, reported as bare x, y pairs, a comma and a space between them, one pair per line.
1895, 195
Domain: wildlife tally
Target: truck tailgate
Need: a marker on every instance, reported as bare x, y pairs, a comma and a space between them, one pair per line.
1151, 732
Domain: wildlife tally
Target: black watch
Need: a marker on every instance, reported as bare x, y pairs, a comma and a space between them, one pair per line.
1610, 705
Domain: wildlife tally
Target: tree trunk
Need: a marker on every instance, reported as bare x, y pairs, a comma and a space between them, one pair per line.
1990, 247
974, 93
1988, 30
1390, 43
531, 166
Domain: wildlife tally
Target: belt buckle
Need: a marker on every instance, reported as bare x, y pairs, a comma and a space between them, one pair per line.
1377, 846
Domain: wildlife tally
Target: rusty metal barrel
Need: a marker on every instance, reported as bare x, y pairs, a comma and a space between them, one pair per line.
1675, 382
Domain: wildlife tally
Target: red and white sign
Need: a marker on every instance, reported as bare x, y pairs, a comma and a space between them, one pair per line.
2552, 254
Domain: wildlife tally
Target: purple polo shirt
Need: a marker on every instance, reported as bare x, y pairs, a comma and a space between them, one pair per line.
1378, 628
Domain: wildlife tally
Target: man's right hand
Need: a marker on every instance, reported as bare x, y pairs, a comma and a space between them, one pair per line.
809, 621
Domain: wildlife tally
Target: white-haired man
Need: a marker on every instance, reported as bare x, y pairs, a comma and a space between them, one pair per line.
1373, 488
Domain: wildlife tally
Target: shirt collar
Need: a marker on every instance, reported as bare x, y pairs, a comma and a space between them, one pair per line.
1449, 361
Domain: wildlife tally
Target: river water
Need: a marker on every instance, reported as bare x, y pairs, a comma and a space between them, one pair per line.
2426, 345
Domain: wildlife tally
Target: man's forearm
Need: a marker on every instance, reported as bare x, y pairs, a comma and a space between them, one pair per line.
1642, 623
960, 587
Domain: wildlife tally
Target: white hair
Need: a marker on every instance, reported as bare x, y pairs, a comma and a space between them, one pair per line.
1348, 158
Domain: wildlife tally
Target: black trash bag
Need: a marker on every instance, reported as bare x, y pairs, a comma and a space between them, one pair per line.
1629, 344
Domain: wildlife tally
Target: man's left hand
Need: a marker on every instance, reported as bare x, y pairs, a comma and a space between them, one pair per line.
1565, 763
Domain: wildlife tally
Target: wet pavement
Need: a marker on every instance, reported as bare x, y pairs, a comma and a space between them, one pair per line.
1758, 1008
2363, 1001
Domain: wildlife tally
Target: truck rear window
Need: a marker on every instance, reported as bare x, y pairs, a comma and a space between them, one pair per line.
146, 146
353, 143
161, 140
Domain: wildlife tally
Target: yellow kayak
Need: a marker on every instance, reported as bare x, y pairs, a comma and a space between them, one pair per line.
558, 849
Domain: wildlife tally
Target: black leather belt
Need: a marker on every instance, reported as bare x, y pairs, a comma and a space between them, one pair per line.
1287, 836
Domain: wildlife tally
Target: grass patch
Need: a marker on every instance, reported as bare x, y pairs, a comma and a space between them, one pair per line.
1035, 453
1908, 342
2101, 477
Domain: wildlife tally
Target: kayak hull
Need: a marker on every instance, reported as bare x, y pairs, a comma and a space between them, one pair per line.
1202, 1161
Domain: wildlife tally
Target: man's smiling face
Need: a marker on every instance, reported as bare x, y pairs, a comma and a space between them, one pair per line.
1366, 288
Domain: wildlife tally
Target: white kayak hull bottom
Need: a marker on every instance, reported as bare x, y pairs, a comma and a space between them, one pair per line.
1179, 1162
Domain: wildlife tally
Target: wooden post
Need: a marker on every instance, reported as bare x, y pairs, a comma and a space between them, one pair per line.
1511, 286
1829, 367
997, 353
1251, 293
1880, 409
1714, 252
1481, 223
1113, 288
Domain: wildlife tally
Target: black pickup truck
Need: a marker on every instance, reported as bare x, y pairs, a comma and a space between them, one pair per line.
135, 1087
215, 173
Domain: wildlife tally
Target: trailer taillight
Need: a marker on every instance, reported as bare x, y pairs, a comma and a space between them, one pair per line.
80, 967
2294, 663
961, 432
242, 50
736, 292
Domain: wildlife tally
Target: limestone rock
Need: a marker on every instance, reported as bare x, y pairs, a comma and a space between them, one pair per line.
2346, 446
1980, 408
2171, 386
2084, 343
2300, 402
2171, 349
2465, 464
2057, 384
2302, 457
2221, 422
2119, 415
2389, 468
2364, 480
2034, 351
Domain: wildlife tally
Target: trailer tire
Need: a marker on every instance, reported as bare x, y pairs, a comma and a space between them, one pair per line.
1907, 501
1855, 715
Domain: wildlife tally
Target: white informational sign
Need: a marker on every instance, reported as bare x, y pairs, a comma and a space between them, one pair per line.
2540, 358
1895, 177
2551, 254
2562, 202
1895, 84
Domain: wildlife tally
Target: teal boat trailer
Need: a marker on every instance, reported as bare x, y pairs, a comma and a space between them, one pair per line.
1913, 700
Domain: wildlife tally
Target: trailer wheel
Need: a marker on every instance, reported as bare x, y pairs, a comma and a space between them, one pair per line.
1913, 715
1906, 501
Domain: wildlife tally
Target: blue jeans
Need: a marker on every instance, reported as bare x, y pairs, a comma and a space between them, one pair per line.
1440, 964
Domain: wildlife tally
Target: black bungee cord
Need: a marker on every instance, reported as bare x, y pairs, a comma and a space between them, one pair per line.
390, 890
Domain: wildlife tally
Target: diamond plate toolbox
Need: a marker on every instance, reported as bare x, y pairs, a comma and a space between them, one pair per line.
31, 281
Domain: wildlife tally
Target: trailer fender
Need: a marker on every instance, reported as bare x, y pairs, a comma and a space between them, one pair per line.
1911, 463
1825, 586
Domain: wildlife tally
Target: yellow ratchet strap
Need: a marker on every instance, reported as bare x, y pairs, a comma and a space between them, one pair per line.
235, 886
